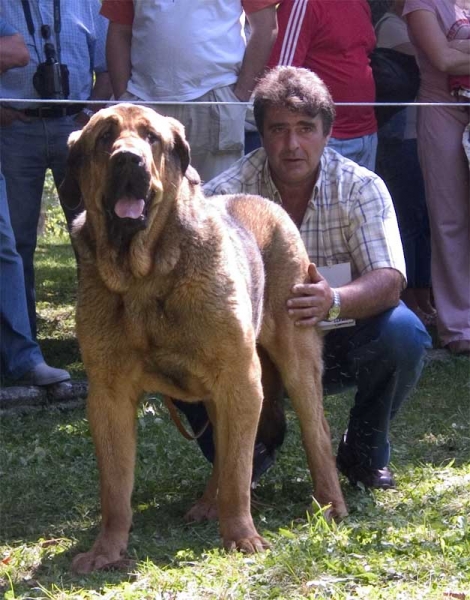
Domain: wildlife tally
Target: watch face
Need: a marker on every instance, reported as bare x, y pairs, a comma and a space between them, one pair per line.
334, 313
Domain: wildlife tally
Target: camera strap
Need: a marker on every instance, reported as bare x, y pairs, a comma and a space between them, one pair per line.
57, 23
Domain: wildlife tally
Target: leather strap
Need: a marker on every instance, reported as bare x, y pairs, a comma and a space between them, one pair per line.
174, 414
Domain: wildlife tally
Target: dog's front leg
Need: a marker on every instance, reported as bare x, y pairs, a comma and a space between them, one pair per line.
238, 404
112, 422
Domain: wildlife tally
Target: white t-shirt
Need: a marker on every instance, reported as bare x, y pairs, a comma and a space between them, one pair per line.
171, 42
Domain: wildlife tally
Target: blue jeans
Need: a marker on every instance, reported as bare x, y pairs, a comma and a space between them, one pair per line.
398, 165
19, 353
27, 151
383, 357
362, 150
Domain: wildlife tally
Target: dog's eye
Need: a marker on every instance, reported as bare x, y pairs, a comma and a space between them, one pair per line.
151, 137
106, 136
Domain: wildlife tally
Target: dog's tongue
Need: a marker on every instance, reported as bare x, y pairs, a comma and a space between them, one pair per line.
129, 207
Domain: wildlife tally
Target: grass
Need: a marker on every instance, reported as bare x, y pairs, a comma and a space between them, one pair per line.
412, 542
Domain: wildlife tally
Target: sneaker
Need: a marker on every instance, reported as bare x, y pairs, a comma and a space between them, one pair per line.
42, 374
357, 473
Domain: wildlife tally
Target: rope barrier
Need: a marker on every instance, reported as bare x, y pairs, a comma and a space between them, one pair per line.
248, 104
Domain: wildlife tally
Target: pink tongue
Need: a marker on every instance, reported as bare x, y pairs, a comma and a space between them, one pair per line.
129, 207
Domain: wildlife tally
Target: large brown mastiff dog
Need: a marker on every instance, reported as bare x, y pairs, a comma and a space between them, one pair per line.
175, 293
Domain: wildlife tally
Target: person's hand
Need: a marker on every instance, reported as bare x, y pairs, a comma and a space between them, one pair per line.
311, 302
8, 115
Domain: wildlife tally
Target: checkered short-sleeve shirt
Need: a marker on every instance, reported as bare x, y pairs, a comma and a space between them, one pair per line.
349, 218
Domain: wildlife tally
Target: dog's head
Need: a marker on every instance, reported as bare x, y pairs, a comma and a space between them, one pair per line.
121, 164
127, 164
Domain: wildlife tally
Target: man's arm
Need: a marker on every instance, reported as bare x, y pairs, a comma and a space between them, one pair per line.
263, 26
13, 52
118, 56
368, 295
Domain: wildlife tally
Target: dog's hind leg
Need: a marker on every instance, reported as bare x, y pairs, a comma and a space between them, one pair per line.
298, 358
112, 415
205, 508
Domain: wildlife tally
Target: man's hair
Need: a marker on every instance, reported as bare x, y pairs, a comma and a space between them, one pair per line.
297, 89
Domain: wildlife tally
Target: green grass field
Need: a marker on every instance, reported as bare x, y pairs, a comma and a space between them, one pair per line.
408, 543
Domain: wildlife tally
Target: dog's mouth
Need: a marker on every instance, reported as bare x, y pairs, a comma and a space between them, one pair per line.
130, 207
127, 197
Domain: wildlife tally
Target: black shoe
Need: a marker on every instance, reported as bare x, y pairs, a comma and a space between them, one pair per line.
262, 461
43, 374
357, 473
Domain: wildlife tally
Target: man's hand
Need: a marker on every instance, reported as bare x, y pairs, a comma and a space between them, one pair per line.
311, 301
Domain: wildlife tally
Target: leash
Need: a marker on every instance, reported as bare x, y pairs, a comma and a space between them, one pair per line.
174, 414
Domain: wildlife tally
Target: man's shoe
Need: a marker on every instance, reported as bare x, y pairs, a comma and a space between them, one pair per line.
42, 374
348, 464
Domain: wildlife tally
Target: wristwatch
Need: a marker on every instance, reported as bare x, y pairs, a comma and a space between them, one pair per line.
335, 308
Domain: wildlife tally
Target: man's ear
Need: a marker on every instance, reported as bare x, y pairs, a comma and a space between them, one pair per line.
69, 190
180, 146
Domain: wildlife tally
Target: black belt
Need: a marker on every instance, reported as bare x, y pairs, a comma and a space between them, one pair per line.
53, 112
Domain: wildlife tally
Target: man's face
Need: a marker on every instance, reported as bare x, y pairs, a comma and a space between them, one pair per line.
294, 143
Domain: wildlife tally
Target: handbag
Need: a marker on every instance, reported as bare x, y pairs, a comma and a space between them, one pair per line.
396, 76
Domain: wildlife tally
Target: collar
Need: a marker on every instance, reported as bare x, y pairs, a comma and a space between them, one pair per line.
273, 192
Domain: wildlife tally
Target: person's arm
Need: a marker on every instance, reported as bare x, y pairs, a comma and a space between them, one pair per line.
101, 91
295, 34
263, 26
430, 38
368, 295
118, 56
460, 45
13, 52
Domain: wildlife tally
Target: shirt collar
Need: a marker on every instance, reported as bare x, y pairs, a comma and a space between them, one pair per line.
273, 192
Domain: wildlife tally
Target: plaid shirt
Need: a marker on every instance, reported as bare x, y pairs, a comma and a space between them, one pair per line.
349, 218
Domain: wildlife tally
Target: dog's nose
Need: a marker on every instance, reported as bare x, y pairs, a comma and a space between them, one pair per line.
127, 157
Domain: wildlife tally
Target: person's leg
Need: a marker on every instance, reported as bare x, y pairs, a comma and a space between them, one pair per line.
19, 352
398, 165
383, 356
446, 175
58, 131
24, 163
21, 357
362, 150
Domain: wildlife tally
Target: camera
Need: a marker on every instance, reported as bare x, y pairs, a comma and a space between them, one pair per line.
51, 79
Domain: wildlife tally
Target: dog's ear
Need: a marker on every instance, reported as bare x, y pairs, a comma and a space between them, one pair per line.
180, 146
69, 190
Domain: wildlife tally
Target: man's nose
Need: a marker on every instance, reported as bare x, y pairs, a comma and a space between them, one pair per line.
292, 140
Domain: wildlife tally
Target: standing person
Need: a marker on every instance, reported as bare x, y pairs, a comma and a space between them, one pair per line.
398, 165
21, 357
192, 52
34, 136
334, 39
345, 214
432, 24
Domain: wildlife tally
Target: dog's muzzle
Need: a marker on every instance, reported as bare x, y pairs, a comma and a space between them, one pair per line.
128, 192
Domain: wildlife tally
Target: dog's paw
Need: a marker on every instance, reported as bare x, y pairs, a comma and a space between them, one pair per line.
247, 545
87, 562
203, 510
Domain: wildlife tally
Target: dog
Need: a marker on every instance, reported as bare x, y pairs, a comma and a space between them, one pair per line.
186, 296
